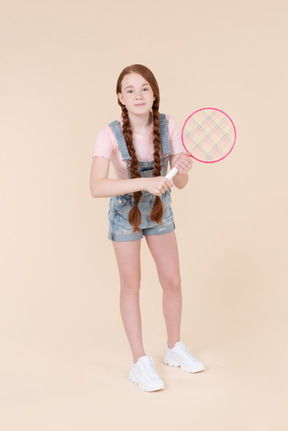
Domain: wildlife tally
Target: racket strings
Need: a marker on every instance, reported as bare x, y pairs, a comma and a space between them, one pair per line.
208, 135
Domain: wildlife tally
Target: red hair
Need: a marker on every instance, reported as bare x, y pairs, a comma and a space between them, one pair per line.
157, 210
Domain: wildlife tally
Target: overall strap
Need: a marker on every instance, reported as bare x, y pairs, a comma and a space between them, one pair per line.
115, 125
164, 133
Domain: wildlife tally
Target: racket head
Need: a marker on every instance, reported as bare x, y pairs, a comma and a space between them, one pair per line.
208, 135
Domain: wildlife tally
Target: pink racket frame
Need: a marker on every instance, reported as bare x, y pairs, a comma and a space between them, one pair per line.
214, 161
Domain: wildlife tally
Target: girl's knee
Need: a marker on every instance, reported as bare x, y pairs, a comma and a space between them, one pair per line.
130, 284
171, 283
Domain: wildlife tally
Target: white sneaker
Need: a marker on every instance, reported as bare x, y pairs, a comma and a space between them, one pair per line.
144, 374
179, 356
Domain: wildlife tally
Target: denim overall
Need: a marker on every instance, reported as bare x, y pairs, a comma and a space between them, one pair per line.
120, 205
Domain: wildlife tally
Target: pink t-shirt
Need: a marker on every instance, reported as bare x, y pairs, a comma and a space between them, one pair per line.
106, 146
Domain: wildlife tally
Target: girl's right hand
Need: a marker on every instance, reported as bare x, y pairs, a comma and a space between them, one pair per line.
157, 185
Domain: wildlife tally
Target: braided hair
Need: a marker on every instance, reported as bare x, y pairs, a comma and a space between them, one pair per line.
156, 214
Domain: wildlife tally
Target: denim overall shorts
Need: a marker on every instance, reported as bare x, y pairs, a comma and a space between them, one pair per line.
120, 205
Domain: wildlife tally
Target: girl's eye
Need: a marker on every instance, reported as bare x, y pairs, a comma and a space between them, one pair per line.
130, 91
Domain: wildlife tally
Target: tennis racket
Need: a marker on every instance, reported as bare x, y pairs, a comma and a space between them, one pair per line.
208, 135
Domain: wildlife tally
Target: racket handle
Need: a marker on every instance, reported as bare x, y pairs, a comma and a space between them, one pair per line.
172, 173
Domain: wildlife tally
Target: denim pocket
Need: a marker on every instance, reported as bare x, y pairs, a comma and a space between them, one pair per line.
120, 205
168, 213
166, 198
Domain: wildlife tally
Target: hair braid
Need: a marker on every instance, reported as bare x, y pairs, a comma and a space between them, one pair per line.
134, 214
157, 210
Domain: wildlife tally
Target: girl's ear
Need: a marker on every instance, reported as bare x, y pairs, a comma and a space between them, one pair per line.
120, 98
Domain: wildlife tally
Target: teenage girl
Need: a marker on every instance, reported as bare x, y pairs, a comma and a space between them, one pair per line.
139, 145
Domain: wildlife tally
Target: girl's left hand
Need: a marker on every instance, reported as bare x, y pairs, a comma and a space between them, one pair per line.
184, 163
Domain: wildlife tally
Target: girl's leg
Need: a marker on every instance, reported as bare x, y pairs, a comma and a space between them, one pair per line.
128, 260
165, 253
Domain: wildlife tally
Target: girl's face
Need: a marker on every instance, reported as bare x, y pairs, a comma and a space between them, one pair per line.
136, 94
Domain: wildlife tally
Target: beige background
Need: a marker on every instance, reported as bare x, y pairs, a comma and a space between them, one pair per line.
64, 354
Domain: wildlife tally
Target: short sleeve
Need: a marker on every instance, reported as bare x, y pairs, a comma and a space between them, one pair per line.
104, 144
175, 141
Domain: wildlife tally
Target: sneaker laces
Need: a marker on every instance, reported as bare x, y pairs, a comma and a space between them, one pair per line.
149, 368
189, 353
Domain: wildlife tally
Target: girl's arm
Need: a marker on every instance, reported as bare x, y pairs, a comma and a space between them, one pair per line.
101, 186
183, 162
